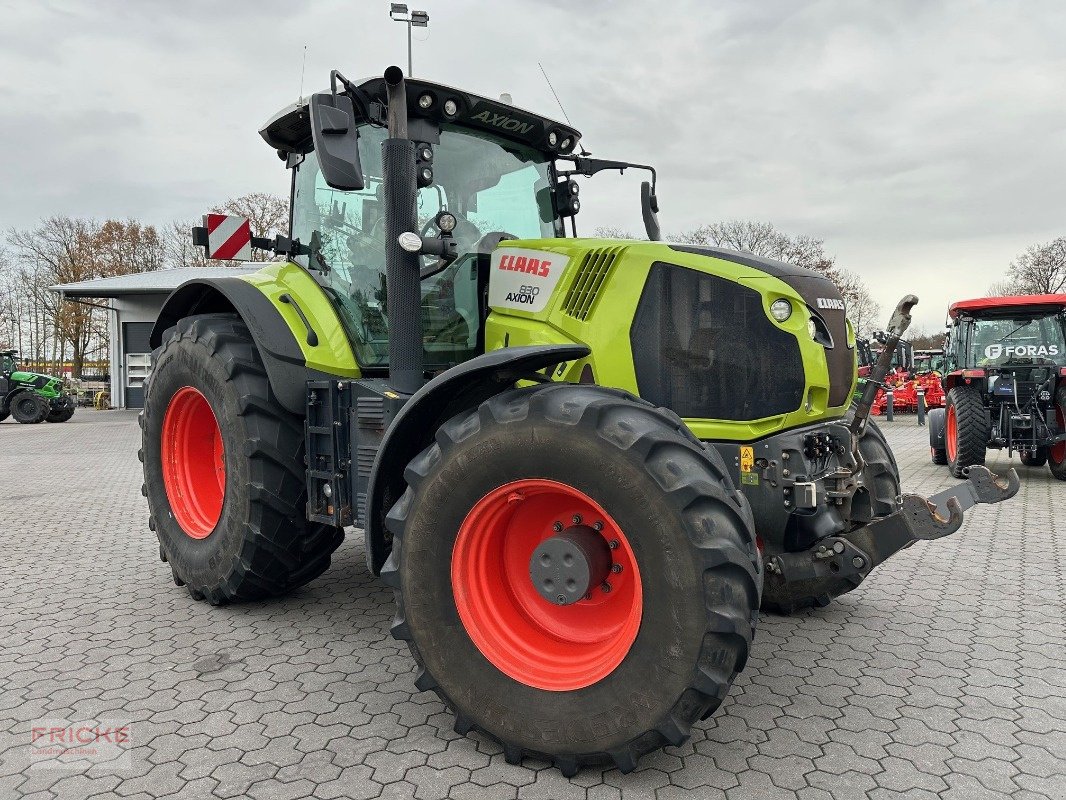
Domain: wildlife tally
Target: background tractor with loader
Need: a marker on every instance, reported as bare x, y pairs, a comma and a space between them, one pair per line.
30, 397
583, 465
1006, 383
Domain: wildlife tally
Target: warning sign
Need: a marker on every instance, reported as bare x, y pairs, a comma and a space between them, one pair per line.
747, 459
228, 238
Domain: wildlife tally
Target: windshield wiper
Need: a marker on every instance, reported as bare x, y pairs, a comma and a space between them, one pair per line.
1025, 324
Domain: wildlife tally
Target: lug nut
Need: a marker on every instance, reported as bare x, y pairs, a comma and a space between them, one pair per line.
838, 547
613, 544
561, 598
597, 526
616, 568
577, 519
557, 527
857, 562
605, 587
588, 595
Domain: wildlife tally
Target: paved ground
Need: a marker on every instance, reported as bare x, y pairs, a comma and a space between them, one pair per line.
944, 675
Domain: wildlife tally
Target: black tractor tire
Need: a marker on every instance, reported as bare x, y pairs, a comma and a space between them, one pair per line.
261, 544
1035, 459
62, 415
973, 426
1057, 454
28, 408
690, 534
4, 414
877, 499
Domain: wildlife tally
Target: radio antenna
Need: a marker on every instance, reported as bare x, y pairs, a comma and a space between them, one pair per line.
303, 71
566, 116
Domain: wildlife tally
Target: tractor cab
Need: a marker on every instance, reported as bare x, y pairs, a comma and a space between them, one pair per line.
485, 172
8, 362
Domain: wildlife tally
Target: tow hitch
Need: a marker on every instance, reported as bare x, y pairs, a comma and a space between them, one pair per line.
851, 556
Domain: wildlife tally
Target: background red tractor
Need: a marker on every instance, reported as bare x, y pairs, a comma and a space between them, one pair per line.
1006, 383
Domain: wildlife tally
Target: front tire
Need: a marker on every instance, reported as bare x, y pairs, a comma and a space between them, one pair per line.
1038, 458
967, 429
224, 470
28, 408
1057, 453
878, 498
62, 415
605, 676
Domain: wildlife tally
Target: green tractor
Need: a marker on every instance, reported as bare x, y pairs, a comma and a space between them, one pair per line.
30, 397
583, 465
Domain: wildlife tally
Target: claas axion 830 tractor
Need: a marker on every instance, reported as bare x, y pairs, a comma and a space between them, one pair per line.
581, 464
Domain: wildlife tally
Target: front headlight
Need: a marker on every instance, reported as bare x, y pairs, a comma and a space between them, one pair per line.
781, 309
812, 328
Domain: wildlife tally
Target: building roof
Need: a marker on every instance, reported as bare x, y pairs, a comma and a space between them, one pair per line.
162, 281
991, 304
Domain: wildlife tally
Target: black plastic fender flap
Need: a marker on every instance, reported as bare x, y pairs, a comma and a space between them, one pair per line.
462, 387
854, 555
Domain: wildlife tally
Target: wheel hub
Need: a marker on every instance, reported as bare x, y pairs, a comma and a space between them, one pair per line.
566, 567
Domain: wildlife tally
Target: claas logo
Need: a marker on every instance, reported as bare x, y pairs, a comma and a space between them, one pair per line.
531, 266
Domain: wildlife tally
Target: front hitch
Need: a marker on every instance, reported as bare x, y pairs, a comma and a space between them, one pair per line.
848, 558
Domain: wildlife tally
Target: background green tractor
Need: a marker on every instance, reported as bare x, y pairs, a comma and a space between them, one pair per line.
30, 397
582, 464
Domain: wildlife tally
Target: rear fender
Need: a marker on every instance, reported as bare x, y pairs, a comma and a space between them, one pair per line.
458, 389
291, 355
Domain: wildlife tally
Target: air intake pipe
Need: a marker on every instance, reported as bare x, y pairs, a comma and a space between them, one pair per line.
402, 283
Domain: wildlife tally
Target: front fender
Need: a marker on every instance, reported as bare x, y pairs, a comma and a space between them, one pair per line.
452, 392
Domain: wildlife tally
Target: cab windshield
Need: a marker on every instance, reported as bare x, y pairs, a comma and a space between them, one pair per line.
1017, 341
488, 185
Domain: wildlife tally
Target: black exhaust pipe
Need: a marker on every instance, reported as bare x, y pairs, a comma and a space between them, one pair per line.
402, 283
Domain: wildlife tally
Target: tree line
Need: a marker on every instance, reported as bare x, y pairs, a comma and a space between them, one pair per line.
1041, 269
48, 331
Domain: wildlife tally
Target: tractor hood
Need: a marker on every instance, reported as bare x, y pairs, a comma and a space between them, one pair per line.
37, 380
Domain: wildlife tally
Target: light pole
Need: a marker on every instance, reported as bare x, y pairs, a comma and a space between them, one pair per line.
414, 19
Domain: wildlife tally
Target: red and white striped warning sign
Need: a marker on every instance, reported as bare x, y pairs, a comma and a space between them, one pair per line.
228, 238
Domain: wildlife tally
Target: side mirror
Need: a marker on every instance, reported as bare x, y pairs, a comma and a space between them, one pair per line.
649, 209
336, 140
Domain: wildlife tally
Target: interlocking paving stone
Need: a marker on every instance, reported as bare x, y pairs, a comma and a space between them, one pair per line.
943, 675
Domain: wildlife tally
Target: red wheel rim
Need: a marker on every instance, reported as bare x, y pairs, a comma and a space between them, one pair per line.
529, 639
951, 437
1058, 450
194, 467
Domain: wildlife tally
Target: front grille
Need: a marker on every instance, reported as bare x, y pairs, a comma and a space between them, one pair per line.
704, 347
590, 276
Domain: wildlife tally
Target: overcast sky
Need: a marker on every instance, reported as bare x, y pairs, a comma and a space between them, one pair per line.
924, 141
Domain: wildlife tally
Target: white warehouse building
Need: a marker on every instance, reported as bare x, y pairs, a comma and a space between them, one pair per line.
133, 303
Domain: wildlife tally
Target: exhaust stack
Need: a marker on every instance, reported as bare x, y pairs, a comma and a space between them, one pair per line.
402, 283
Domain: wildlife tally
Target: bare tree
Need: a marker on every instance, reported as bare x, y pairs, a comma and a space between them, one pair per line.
863, 310
268, 214
763, 239
611, 232
1041, 269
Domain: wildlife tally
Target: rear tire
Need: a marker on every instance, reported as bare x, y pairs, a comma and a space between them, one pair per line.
232, 460
967, 429
28, 408
686, 530
1057, 453
939, 455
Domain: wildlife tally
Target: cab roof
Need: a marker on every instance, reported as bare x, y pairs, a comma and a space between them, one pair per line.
991, 305
289, 130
